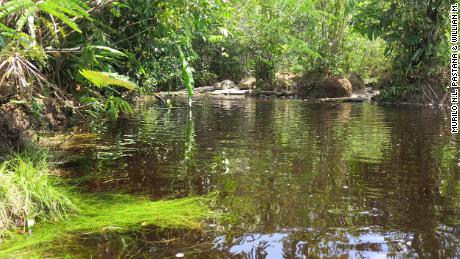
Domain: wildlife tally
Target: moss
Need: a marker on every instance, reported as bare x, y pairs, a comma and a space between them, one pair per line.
108, 213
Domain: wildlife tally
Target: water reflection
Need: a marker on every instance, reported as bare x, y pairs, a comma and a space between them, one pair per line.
296, 179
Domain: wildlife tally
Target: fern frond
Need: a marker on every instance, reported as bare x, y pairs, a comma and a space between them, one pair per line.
15, 6
20, 42
65, 11
51, 9
104, 79
116, 105
70, 7
31, 11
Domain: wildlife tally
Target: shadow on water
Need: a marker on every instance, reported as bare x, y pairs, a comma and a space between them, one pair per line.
295, 179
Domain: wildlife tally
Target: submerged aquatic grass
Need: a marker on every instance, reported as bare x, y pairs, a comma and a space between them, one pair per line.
28, 192
111, 213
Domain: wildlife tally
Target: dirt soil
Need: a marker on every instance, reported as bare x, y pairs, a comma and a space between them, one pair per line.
14, 123
17, 122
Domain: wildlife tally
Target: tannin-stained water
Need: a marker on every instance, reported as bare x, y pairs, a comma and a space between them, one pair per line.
294, 179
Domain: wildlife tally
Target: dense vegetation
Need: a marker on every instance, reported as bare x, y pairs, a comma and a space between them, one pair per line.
70, 48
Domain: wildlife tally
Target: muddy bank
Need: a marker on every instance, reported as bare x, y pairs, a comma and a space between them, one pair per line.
19, 120
312, 87
364, 95
14, 123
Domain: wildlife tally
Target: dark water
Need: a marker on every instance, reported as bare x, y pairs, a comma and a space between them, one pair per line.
296, 180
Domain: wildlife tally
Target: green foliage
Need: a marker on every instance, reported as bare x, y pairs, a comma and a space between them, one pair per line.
28, 50
116, 105
416, 34
111, 213
269, 30
113, 105
150, 32
157, 43
402, 93
187, 77
28, 192
266, 37
104, 79
22, 45
25, 11
362, 56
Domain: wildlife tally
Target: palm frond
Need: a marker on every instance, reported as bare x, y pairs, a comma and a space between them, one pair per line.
116, 105
104, 79
22, 10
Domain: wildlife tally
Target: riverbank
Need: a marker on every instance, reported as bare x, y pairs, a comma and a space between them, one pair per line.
366, 95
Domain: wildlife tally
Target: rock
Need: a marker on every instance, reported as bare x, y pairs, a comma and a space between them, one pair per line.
232, 91
204, 89
332, 88
285, 81
247, 83
356, 81
224, 85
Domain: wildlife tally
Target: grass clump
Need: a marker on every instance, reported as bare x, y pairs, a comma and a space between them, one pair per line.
28, 193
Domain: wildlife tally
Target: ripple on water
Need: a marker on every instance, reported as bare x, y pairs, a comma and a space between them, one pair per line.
296, 179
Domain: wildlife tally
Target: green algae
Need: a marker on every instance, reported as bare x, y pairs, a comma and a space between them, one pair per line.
101, 213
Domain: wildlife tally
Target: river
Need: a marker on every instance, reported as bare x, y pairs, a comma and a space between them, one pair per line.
292, 179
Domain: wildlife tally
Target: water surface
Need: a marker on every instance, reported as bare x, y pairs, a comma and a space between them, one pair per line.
295, 179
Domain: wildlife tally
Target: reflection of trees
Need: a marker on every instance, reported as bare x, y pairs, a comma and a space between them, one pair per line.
301, 184
414, 173
319, 173
149, 243
295, 165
